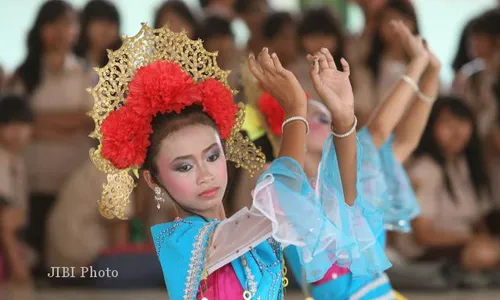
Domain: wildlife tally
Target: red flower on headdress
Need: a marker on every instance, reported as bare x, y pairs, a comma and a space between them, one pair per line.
272, 111
161, 87
125, 138
218, 104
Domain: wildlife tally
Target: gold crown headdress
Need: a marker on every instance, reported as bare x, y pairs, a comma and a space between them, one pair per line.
110, 94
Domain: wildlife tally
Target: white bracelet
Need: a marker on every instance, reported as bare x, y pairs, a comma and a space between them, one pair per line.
349, 132
411, 83
425, 98
296, 118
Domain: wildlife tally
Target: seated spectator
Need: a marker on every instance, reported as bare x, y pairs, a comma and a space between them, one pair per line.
78, 236
99, 31
16, 121
216, 34
452, 187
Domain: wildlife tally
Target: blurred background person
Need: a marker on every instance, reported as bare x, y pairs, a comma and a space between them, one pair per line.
253, 13
317, 29
54, 80
78, 236
386, 60
452, 186
16, 125
99, 31
177, 16
223, 8
280, 36
215, 32
3, 79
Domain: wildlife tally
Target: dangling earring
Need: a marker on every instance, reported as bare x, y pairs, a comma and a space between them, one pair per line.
158, 197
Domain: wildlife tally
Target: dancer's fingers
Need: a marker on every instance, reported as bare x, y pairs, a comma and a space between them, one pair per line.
329, 58
254, 68
345, 66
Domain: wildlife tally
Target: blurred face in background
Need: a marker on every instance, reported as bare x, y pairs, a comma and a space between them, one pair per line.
312, 43
452, 133
176, 23
61, 34
370, 6
255, 15
102, 34
224, 44
483, 45
15, 136
285, 44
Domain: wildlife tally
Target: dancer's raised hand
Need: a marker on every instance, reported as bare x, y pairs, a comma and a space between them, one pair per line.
279, 82
334, 87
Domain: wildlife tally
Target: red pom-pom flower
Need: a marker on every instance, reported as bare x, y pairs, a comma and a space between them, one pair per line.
272, 111
218, 104
159, 88
125, 138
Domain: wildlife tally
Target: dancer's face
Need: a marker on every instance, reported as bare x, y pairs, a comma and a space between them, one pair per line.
319, 122
192, 167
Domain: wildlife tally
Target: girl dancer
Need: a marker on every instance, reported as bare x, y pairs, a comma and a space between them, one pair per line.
383, 179
174, 122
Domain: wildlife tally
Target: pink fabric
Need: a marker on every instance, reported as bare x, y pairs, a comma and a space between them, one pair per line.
333, 273
222, 284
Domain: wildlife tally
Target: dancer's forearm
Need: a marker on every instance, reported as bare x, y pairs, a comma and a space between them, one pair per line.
385, 118
410, 129
347, 159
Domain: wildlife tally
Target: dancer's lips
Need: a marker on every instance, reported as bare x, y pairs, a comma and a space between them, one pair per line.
209, 193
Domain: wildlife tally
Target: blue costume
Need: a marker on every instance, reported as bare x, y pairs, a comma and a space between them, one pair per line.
317, 222
389, 194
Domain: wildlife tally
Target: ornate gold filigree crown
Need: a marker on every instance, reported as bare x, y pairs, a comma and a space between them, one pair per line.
110, 93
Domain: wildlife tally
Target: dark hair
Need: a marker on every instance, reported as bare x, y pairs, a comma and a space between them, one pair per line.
377, 46
30, 70
473, 150
204, 3
96, 10
320, 20
179, 8
462, 56
274, 24
214, 26
487, 23
243, 6
165, 124
14, 108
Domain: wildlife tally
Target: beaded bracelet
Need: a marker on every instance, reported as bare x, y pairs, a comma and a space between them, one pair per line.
343, 135
296, 118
